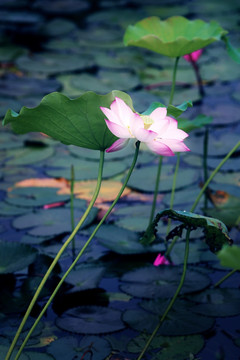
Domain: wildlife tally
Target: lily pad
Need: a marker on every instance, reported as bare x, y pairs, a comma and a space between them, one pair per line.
77, 122
15, 256
59, 27
4, 349
174, 37
91, 320
143, 179
153, 282
124, 241
28, 155
34, 196
15, 86
180, 321
174, 348
83, 169
86, 277
217, 302
70, 347
103, 82
9, 210
52, 221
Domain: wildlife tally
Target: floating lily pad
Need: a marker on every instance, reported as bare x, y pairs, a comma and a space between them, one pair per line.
217, 302
153, 282
103, 82
10, 52
28, 155
180, 321
174, 348
173, 37
52, 63
15, 86
68, 120
91, 320
34, 196
94, 155
6, 103
124, 241
59, 27
60, 7
70, 347
4, 349
134, 218
198, 252
122, 59
52, 221
15, 256
83, 169
10, 141
86, 277
143, 179
9, 210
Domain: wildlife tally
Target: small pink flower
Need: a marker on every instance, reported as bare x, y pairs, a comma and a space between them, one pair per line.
194, 56
161, 260
157, 130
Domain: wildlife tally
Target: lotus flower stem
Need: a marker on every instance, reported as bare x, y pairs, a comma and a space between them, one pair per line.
225, 277
156, 189
205, 154
173, 189
160, 160
173, 81
198, 77
170, 305
80, 253
57, 257
72, 209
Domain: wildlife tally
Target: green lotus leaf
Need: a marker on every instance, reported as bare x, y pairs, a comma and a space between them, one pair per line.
176, 36
77, 122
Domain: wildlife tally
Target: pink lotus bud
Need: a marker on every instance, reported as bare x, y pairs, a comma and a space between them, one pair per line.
161, 260
194, 56
53, 205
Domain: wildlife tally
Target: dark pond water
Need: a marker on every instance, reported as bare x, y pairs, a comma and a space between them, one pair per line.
111, 302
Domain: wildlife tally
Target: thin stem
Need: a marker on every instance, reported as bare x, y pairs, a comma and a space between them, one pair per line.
54, 262
81, 252
160, 159
173, 80
170, 305
203, 189
72, 209
173, 189
156, 189
205, 154
198, 76
225, 277
212, 175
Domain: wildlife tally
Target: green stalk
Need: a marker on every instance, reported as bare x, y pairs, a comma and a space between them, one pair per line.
173, 189
160, 159
204, 188
60, 252
225, 277
205, 154
170, 305
173, 80
72, 209
80, 253
156, 190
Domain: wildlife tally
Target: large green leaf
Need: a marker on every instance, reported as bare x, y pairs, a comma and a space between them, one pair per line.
173, 37
77, 122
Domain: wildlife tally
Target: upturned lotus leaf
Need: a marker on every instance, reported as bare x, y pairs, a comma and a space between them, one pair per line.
173, 37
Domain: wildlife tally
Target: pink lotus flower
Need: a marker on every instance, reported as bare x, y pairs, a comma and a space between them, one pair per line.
161, 260
194, 56
157, 130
